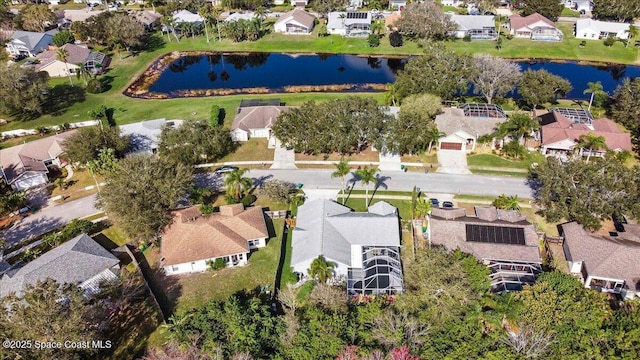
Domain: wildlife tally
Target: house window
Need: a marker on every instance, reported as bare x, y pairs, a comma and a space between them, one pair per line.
175, 268
234, 259
254, 243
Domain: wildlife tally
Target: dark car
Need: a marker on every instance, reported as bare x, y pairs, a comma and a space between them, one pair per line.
225, 169
447, 204
434, 202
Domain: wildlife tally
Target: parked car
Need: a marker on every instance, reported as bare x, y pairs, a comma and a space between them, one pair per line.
225, 169
447, 204
435, 202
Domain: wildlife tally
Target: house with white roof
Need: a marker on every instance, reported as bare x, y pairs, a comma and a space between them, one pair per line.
590, 29
349, 23
28, 43
363, 246
241, 16
186, 16
478, 27
144, 136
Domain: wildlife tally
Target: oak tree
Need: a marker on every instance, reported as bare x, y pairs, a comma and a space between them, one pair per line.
85, 145
36, 17
425, 20
194, 142
548, 8
413, 130
23, 92
494, 76
538, 87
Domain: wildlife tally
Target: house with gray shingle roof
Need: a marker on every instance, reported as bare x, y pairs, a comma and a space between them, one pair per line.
144, 136
80, 261
364, 246
26, 165
604, 263
477, 27
255, 122
28, 43
501, 239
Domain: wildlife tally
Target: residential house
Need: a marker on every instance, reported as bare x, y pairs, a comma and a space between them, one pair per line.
455, 3
300, 4
594, 29
297, 22
94, 62
477, 27
501, 239
186, 16
194, 240
148, 19
463, 126
29, 44
534, 27
80, 261
241, 16
560, 132
604, 263
363, 246
349, 23
144, 136
26, 165
255, 122
581, 6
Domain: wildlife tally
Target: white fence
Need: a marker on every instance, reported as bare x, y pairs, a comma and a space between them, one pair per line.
25, 132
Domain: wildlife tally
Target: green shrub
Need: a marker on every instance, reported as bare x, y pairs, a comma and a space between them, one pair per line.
373, 40
467, 38
206, 209
63, 37
608, 42
218, 264
95, 86
395, 39
215, 115
248, 200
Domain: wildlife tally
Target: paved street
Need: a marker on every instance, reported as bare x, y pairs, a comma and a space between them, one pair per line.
395, 180
50, 218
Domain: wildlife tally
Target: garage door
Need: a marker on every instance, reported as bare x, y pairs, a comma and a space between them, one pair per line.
450, 146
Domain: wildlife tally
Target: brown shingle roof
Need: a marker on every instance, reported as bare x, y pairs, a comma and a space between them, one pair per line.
30, 156
77, 54
557, 127
518, 22
257, 117
603, 256
192, 238
451, 233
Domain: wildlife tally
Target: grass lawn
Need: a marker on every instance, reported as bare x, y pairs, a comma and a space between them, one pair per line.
81, 178
569, 13
568, 49
424, 158
499, 173
365, 155
255, 149
495, 161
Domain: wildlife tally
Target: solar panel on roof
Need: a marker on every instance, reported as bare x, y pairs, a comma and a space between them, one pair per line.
356, 15
495, 234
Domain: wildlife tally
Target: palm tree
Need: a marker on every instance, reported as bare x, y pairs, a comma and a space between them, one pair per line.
423, 207
342, 169
507, 202
633, 32
367, 175
593, 89
63, 55
519, 126
206, 13
377, 27
434, 136
167, 22
216, 15
237, 183
592, 142
321, 269
83, 73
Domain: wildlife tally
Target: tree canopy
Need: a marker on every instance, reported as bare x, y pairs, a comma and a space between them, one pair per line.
619, 10
140, 192
425, 20
550, 9
341, 125
85, 145
626, 106
494, 76
585, 192
414, 129
539, 87
194, 142
23, 91
36, 17
439, 71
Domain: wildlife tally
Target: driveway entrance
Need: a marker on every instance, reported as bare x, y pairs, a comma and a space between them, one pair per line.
452, 162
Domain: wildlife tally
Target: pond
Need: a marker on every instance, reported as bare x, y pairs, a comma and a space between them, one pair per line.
274, 71
218, 74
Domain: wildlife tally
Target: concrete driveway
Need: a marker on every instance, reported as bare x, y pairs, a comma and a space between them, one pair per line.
453, 162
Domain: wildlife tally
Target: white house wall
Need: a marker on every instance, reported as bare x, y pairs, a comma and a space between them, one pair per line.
58, 69
356, 256
199, 265
589, 34
257, 243
340, 269
239, 135
259, 133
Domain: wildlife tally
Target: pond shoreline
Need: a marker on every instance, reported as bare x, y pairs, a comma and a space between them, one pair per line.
139, 87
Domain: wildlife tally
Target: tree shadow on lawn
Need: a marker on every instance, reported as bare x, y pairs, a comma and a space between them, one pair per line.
63, 96
167, 289
106, 81
152, 43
